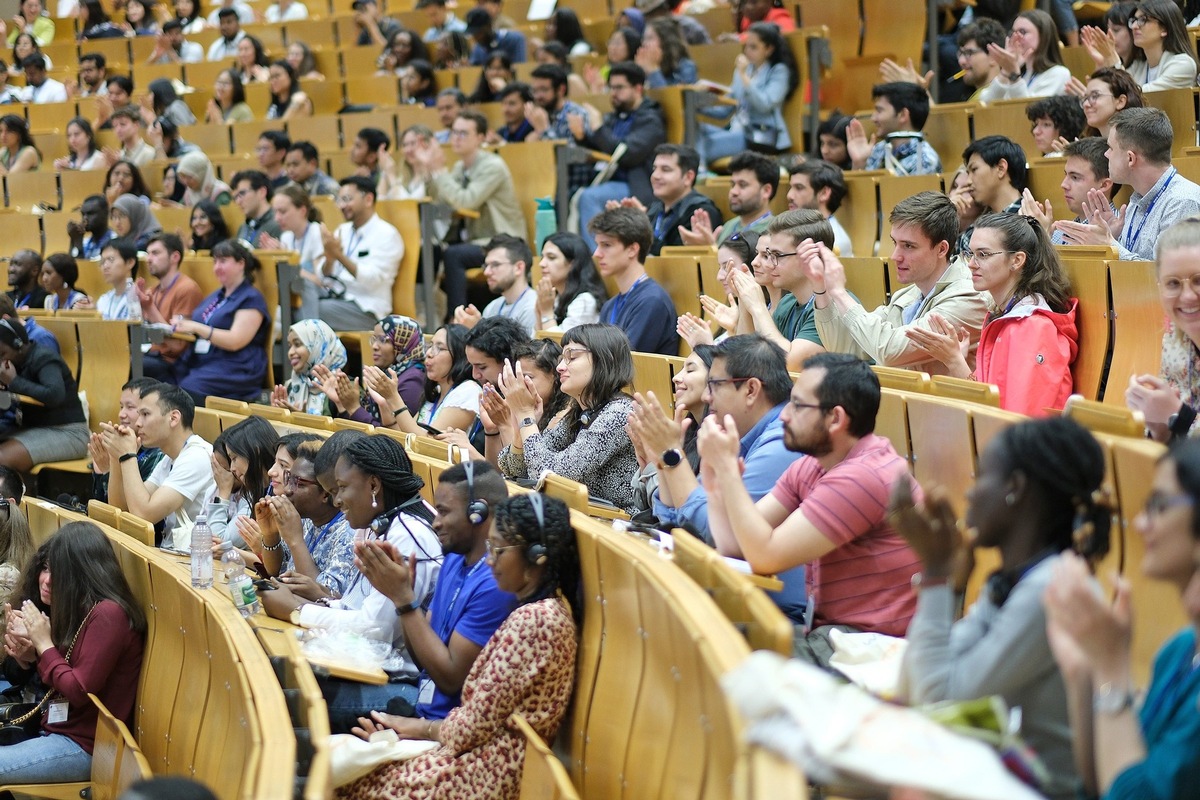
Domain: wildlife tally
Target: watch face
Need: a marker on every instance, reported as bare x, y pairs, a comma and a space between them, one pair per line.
671, 458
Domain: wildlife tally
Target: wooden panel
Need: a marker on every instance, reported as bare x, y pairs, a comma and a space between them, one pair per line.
1089, 283
1137, 325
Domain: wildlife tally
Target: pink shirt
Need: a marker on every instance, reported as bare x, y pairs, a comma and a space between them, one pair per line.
864, 581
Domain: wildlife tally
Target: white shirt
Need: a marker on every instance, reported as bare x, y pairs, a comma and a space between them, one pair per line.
190, 474
245, 15
841, 239
362, 607
295, 11
112, 305
221, 50
51, 91
375, 249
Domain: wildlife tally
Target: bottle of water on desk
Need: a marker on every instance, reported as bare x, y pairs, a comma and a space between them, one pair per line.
202, 560
241, 586
229, 565
132, 301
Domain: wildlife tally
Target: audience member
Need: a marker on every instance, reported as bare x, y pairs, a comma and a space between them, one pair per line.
245, 13
449, 105
127, 415
591, 446
976, 61
486, 39
176, 491
196, 172
1055, 122
118, 268
754, 180
228, 103
764, 77
175, 295
93, 75
506, 267
224, 47
1108, 91
172, 46
82, 150
52, 427
208, 226
664, 56
398, 359
1159, 29
820, 185
924, 228
18, 151
58, 277
124, 177
270, 153
901, 110
127, 125
570, 291
1028, 347
231, 325
242, 455
1139, 154
1085, 167
362, 258
832, 136
91, 232
479, 182
403, 47
365, 152
637, 123
288, 100
527, 666
514, 99
23, 269
450, 397
39, 88
286, 11
302, 165
301, 59
1030, 63
373, 27
252, 192
549, 113
310, 342
828, 511
1032, 501
642, 308
132, 219
300, 223
85, 637
676, 200
489, 344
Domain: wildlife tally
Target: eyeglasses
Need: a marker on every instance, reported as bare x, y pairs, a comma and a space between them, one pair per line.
773, 257
979, 256
1092, 98
570, 355
490, 265
491, 552
458, 133
1019, 32
968, 52
1158, 503
343, 199
1138, 20
436, 348
375, 339
290, 480
712, 383
1173, 287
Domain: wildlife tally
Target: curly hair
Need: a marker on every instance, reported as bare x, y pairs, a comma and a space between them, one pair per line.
516, 521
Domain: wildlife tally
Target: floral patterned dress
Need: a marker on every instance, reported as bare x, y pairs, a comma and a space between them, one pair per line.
528, 666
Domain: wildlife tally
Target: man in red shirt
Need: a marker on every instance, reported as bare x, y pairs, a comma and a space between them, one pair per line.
828, 511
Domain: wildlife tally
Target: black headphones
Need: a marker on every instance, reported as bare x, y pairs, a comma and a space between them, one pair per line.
1000, 584
536, 553
477, 510
379, 526
18, 336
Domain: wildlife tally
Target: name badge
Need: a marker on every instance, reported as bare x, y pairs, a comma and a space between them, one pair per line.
57, 712
425, 693
202, 346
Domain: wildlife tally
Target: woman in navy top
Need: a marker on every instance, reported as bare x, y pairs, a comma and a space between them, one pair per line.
229, 358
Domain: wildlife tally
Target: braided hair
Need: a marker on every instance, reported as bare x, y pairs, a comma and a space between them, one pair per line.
1066, 464
516, 521
386, 459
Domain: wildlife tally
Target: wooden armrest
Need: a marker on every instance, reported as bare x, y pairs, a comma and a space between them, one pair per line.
27, 400
599, 156
468, 213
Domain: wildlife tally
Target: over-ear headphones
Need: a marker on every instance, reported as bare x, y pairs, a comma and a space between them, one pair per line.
536, 553
477, 510
379, 526
18, 336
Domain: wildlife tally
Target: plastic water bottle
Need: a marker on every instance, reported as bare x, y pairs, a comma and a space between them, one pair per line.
132, 301
241, 587
202, 560
230, 564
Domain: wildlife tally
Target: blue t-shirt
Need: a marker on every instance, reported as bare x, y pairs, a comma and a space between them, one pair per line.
647, 315
467, 602
238, 375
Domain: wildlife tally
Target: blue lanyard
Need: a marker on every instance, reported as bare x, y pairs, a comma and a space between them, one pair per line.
320, 537
448, 621
618, 303
513, 308
1130, 242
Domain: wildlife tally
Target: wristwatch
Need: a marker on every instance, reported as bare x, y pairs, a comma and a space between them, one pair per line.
1110, 701
527, 421
408, 608
670, 458
1181, 421
1013, 76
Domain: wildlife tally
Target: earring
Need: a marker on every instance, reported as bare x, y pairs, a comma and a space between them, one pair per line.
1010, 498
375, 502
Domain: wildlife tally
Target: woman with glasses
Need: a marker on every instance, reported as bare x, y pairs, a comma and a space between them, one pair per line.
570, 291
1030, 63
1124, 748
1158, 28
228, 103
451, 397
398, 356
527, 667
297, 532
1170, 400
1108, 91
374, 486
1113, 46
288, 100
1030, 339
591, 445
1034, 499
81, 631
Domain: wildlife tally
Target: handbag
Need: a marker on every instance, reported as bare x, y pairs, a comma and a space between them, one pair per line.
20, 722
762, 137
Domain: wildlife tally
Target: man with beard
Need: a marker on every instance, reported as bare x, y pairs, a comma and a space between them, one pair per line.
819, 185
23, 269
506, 268
828, 511
174, 295
90, 232
754, 179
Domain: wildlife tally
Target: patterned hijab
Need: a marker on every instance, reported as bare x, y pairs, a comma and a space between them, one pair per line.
407, 340
324, 348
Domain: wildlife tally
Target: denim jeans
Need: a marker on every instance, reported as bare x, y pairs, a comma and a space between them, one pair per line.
52, 758
349, 700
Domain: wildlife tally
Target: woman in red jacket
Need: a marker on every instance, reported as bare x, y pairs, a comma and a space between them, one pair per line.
1030, 340
83, 632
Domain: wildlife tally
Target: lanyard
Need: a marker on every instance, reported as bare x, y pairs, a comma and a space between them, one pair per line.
355, 238
1132, 237
618, 303
513, 308
213, 307
320, 537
